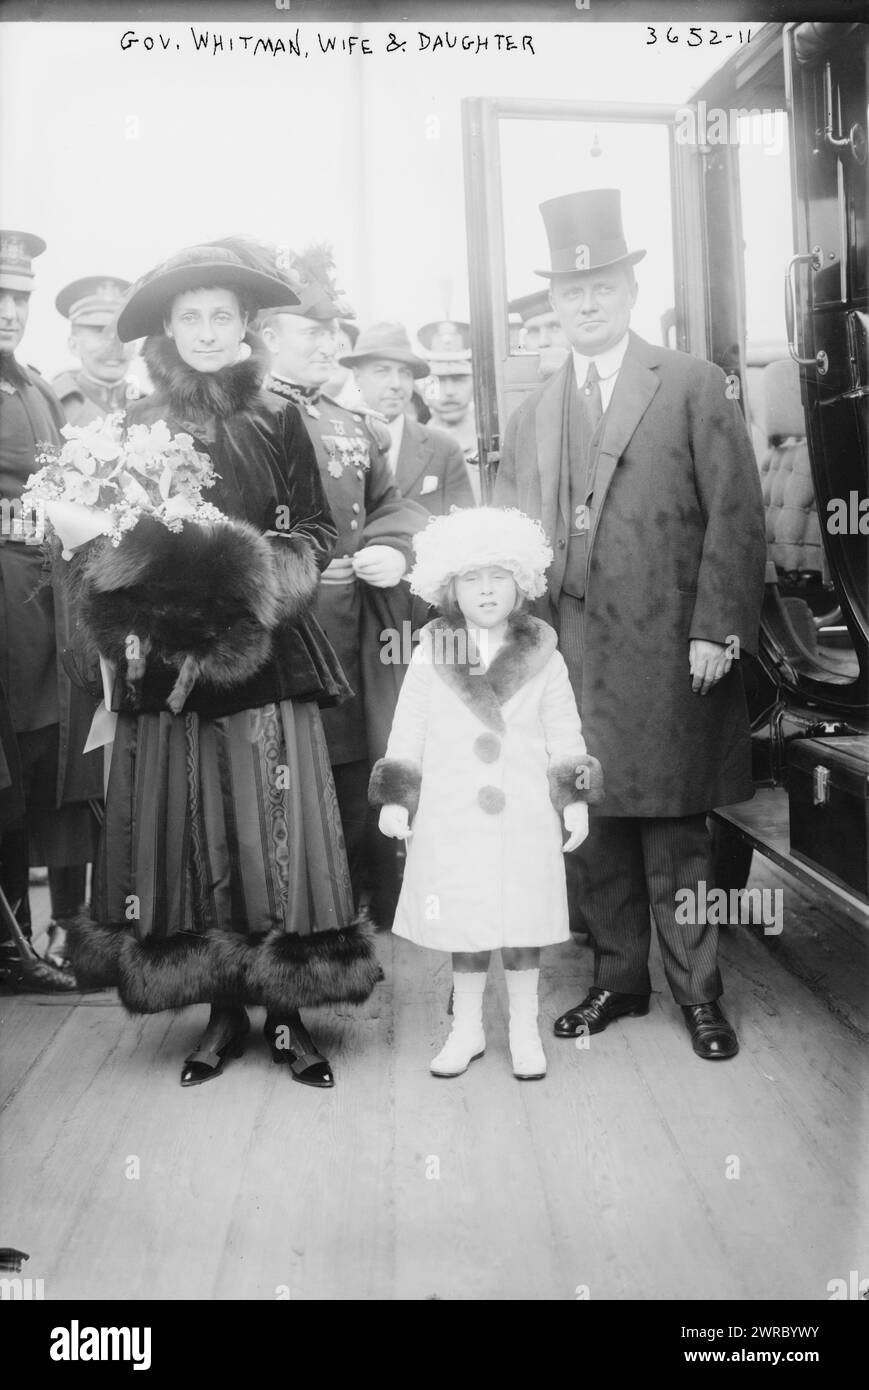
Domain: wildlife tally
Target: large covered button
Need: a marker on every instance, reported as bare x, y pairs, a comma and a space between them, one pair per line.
491, 800
354, 525
487, 747
356, 508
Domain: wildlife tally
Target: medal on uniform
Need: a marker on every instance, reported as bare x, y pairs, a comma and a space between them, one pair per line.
7, 386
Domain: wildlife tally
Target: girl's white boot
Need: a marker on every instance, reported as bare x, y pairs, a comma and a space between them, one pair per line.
526, 1049
466, 1040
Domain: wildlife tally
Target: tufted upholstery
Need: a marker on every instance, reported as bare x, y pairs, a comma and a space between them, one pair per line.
792, 527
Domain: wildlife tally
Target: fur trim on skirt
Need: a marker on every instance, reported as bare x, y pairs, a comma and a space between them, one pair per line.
222, 873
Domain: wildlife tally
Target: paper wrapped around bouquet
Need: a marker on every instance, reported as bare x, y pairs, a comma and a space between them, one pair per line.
76, 524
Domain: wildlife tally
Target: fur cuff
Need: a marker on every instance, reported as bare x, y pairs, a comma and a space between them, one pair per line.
575, 779
297, 574
279, 970
395, 782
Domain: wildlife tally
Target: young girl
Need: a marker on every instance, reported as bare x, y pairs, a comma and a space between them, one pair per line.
486, 751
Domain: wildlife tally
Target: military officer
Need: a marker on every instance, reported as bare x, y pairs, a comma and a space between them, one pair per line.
359, 594
99, 385
449, 393
49, 717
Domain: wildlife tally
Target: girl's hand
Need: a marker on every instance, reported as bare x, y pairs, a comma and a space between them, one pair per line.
394, 822
576, 822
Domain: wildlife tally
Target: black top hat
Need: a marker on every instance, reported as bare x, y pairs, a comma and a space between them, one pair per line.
193, 268
585, 232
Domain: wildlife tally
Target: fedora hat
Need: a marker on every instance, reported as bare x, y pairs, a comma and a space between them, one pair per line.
194, 268
584, 231
18, 250
388, 341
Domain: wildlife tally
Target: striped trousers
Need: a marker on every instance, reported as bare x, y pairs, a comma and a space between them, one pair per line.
629, 871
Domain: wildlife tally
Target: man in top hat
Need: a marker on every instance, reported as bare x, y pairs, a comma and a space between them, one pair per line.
640, 467
99, 386
374, 547
427, 464
50, 718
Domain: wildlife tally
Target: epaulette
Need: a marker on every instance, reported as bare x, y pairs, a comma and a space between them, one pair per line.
65, 384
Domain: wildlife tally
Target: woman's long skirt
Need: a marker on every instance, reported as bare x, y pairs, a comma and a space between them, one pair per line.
222, 874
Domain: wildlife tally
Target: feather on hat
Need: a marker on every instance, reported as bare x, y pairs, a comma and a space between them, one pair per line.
475, 536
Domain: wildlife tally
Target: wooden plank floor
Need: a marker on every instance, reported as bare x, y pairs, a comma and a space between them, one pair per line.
609, 1179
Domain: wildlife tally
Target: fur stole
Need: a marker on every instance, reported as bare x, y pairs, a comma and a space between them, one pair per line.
196, 395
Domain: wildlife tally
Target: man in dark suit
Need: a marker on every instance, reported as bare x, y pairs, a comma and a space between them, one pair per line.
427, 464
639, 465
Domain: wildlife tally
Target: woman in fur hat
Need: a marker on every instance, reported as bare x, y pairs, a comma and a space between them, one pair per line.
486, 754
222, 876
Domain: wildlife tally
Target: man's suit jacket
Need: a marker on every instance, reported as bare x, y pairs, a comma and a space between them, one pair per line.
431, 469
677, 550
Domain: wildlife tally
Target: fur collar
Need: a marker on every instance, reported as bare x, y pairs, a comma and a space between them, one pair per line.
528, 646
195, 394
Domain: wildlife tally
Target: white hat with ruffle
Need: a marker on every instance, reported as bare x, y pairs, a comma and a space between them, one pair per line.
472, 537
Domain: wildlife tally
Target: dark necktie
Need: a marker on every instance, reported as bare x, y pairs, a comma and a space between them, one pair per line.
591, 398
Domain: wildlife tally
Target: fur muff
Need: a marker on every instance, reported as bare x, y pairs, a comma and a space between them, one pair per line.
575, 779
395, 782
281, 971
209, 593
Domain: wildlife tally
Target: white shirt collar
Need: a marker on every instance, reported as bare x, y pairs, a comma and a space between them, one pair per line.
607, 363
396, 429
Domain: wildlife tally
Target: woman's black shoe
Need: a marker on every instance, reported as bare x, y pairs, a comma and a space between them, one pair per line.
207, 1062
289, 1041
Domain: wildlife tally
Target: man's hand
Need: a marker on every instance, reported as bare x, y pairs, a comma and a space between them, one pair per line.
708, 661
576, 822
380, 565
394, 822
338, 571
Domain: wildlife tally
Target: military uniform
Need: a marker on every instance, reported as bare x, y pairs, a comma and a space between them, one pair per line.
368, 510
92, 302
49, 717
85, 400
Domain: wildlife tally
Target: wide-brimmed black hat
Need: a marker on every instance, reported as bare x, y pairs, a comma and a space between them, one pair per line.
585, 232
388, 341
194, 267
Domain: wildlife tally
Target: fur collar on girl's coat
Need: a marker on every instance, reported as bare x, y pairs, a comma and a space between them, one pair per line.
194, 393
528, 645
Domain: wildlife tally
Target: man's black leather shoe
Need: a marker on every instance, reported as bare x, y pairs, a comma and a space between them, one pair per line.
598, 1009
711, 1035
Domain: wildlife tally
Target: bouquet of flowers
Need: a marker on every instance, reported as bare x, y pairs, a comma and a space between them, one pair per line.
160, 575
102, 482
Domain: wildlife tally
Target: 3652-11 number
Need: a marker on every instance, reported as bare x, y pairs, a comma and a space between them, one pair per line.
696, 36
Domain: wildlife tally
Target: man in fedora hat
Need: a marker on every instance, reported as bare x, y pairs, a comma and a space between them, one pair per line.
359, 592
49, 716
639, 465
427, 465
99, 385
